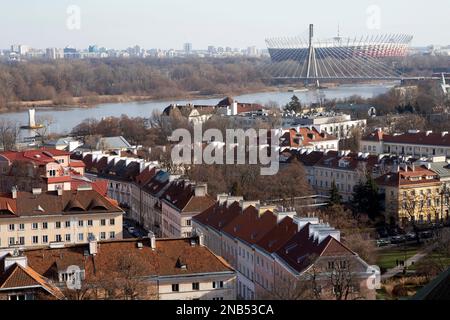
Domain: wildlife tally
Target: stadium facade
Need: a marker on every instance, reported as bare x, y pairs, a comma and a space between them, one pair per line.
338, 57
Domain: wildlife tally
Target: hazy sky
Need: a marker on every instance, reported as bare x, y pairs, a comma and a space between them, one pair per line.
235, 23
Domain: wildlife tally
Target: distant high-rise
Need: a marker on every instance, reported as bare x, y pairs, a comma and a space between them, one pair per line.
187, 47
93, 48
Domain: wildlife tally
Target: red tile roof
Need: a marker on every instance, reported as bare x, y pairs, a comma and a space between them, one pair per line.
304, 137
18, 277
419, 138
219, 215
163, 261
300, 249
181, 195
410, 177
250, 226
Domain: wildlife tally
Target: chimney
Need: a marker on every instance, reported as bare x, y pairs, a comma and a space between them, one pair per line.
201, 239
16, 257
234, 108
93, 246
14, 192
201, 190
152, 238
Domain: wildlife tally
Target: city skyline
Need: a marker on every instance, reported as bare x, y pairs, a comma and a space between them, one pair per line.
157, 25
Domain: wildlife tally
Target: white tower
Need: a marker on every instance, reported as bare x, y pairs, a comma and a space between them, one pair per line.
31, 116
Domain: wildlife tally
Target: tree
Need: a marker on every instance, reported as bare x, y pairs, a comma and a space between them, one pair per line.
294, 105
335, 197
9, 132
366, 198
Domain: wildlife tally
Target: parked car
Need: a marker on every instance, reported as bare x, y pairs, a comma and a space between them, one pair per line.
398, 239
410, 236
426, 234
383, 242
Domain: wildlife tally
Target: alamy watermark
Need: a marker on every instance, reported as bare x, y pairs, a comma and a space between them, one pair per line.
73, 21
251, 146
373, 21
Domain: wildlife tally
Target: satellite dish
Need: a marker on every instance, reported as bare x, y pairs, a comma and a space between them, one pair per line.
372, 112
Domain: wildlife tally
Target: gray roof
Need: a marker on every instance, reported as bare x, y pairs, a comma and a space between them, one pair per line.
114, 143
441, 168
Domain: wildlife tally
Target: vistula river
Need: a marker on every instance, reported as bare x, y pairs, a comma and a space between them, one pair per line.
64, 119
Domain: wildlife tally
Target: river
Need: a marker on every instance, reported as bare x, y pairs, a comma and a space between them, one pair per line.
65, 119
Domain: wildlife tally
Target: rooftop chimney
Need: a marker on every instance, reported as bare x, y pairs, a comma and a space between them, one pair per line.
93, 246
16, 257
152, 237
201, 239
14, 192
201, 190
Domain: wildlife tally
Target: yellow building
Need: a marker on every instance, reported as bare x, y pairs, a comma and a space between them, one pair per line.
412, 193
37, 218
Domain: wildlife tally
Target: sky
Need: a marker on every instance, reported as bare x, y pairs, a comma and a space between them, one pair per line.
236, 23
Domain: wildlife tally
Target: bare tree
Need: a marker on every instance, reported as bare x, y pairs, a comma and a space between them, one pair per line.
9, 132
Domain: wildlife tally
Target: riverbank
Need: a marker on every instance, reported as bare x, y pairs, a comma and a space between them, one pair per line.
93, 101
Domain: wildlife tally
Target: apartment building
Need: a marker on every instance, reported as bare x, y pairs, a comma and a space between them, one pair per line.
165, 269
346, 169
120, 173
412, 192
274, 250
38, 218
48, 168
308, 138
147, 192
179, 204
414, 143
337, 124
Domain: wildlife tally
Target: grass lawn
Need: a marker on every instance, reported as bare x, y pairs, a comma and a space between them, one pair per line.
440, 259
387, 258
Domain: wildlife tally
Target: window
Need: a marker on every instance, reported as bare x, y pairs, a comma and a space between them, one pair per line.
35, 239
44, 239
12, 240
217, 284
34, 226
67, 237
67, 224
112, 222
175, 287
80, 237
58, 238
52, 173
21, 226
11, 227
188, 222
112, 235
58, 224
330, 264
80, 223
102, 235
44, 225
90, 224
195, 286
22, 240
103, 222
